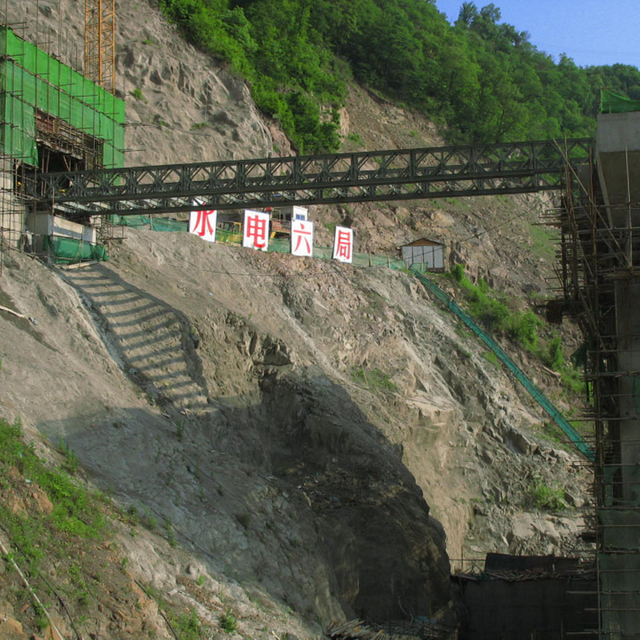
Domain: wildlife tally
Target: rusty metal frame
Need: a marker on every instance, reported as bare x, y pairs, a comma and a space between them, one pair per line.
100, 43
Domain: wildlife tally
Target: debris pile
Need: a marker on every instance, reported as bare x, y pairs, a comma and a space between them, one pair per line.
419, 629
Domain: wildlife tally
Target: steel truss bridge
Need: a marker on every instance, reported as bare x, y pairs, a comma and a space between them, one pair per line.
368, 176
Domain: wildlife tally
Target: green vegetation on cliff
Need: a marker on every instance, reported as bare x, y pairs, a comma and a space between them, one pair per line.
480, 79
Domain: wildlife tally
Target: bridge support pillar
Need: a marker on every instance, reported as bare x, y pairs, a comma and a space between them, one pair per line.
618, 158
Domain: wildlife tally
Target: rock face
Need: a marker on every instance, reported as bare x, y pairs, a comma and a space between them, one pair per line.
261, 461
180, 105
321, 439
288, 417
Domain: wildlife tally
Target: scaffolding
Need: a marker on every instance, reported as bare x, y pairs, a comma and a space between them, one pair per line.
52, 118
14, 176
600, 273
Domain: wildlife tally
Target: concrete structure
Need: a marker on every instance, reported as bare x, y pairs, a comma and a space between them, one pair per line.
618, 273
618, 162
522, 597
47, 225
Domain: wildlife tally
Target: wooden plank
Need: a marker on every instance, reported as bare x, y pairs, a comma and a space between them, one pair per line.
12, 312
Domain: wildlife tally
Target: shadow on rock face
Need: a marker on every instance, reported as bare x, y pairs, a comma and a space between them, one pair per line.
387, 554
298, 492
289, 485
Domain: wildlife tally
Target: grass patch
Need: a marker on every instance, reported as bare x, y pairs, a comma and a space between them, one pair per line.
492, 311
572, 379
459, 204
355, 138
547, 497
544, 242
374, 379
58, 535
228, 622
137, 94
376, 302
70, 464
522, 327
553, 354
186, 625
491, 357
75, 511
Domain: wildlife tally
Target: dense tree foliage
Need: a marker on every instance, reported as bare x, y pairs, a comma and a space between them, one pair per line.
481, 79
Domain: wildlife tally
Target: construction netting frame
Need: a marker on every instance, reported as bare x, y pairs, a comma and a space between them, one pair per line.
149, 222
613, 103
64, 250
31, 79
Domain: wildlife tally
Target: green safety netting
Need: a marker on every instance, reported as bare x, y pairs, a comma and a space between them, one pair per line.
31, 79
283, 245
70, 250
228, 237
164, 224
276, 245
151, 222
553, 412
613, 103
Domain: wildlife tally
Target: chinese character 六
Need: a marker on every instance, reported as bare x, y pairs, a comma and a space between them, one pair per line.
301, 238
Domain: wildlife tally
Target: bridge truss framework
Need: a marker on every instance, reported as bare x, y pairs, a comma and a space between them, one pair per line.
507, 168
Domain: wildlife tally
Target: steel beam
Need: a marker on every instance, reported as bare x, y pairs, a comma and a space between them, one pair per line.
519, 167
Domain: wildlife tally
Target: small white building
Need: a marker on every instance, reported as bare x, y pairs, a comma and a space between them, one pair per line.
424, 252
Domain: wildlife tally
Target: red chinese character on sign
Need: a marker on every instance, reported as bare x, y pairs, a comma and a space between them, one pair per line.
203, 224
301, 238
343, 244
256, 230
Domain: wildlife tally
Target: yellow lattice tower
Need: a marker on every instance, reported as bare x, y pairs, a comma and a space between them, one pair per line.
100, 43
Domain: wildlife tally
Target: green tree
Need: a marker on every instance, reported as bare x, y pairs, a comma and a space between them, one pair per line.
468, 14
480, 79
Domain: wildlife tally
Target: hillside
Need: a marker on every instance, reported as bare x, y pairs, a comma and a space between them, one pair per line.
274, 464
278, 442
480, 79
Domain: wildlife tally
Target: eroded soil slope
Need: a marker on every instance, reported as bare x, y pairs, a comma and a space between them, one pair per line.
311, 430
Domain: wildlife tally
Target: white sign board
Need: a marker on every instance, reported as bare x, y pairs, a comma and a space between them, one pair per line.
255, 231
302, 238
203, 223
343, 245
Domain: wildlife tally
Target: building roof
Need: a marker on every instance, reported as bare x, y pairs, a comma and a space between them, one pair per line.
423, 242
